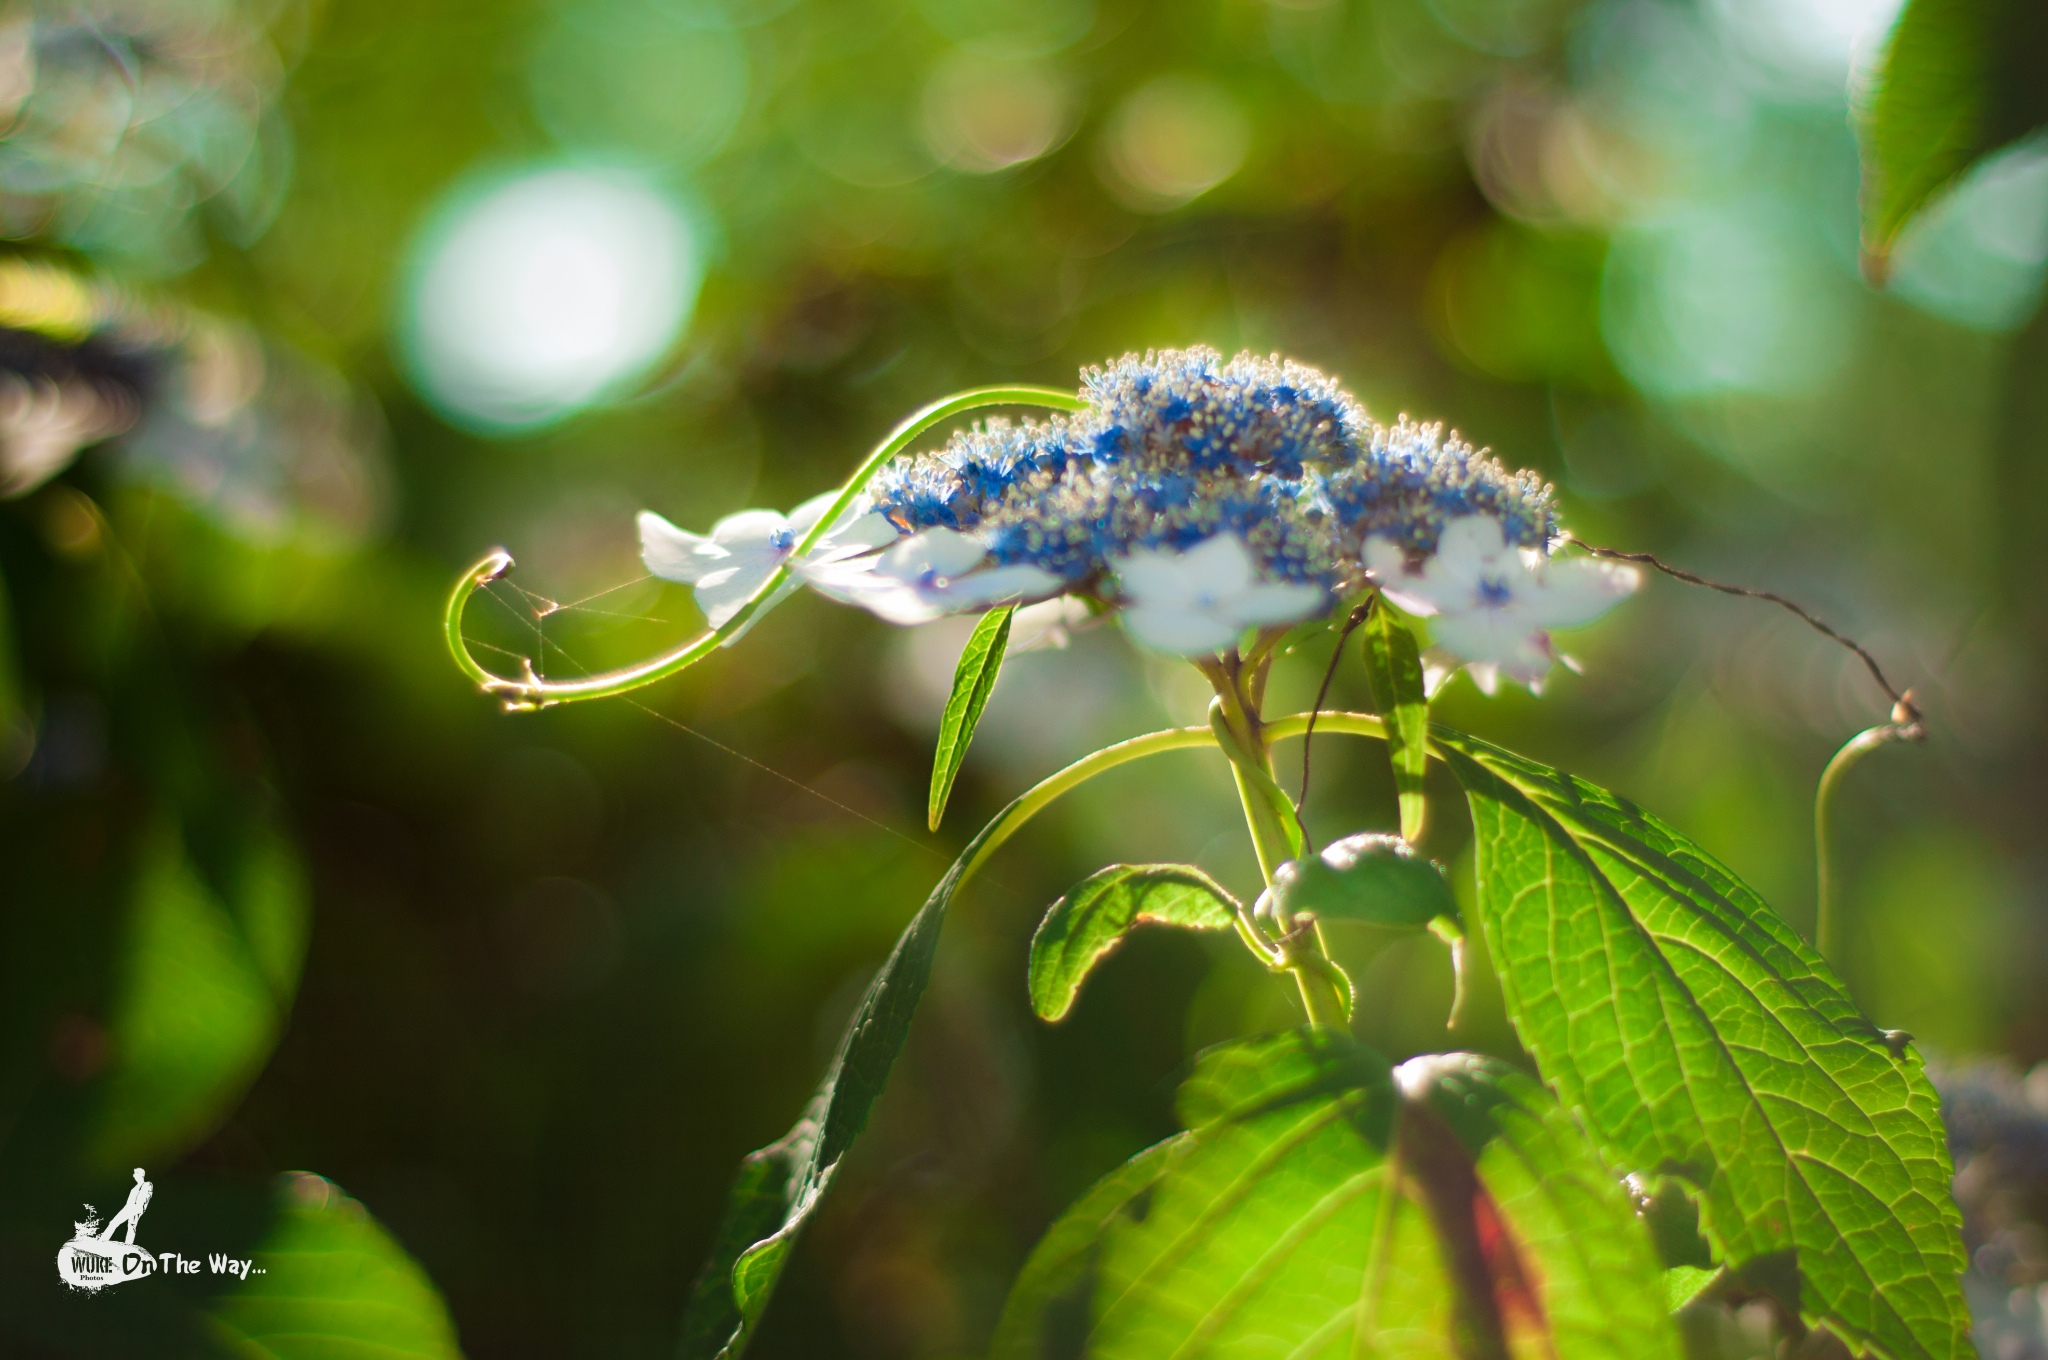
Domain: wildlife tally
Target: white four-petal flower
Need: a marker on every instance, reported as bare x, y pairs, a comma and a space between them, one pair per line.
742, 551
1492, 605
936, 572
1197, 602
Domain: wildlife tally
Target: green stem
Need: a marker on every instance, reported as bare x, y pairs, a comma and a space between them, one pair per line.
1268, 813
530, 691
1266, 809
1033, 800
1827, 924
1357, 724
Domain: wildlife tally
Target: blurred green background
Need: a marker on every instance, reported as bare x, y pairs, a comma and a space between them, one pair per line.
306, 305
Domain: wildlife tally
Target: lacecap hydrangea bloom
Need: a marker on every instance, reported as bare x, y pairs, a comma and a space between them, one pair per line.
1200, 497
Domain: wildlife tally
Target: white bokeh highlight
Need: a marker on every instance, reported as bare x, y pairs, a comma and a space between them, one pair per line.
536, 294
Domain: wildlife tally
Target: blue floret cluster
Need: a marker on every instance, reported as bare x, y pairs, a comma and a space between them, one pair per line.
1177, 446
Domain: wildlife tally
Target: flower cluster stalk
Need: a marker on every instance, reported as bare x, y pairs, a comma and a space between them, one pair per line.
1296, 945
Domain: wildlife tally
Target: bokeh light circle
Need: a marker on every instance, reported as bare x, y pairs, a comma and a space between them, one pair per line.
1172, 140
982, 115
535, 293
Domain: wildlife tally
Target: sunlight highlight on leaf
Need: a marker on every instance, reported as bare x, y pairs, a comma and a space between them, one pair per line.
1269, 1227
1700, 1037
1082, 928
974, 679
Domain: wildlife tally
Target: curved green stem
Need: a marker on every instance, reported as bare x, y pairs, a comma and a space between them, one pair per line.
1357, 724
530, 691
1033, 800
1827, 925
476, 578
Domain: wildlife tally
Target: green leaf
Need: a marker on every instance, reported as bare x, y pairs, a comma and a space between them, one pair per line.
1269, 1228
974, 679
1683, 1284
208, 972
1081, 929
1393, 670
334, 1284
780, 1186
1368, 877
755, 1208
1958, 80
327, 1282
1701, 1038
1048, 1312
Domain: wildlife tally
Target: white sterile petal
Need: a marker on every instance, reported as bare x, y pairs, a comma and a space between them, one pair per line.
1387, 567
1486, 675
750, 529
1384, 560
721, 593
1218, 567
997, 585
1495, 637
1155, 578
868, 529
861, 581
1048, 624
935, 553
859, 525
782, 592
1470, 555
1183, 632
1471, 541
677, 554
1264, 604
1438, 666
1408, 602
1580, 590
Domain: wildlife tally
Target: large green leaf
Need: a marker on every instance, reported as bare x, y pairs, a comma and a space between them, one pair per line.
1393, 670
325, 1281
974, 679
1700, 1037
334, 1286
1269, 1229
1081, 929
1958, 80
780, 1186
209, 968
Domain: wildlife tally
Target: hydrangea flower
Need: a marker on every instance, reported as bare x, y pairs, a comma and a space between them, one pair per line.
925, 576
1492, 605
742, 551
1199, 497
1198, 602
1179, 446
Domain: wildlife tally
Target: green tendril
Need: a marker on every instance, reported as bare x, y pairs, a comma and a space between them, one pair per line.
1905, 726
531, 690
